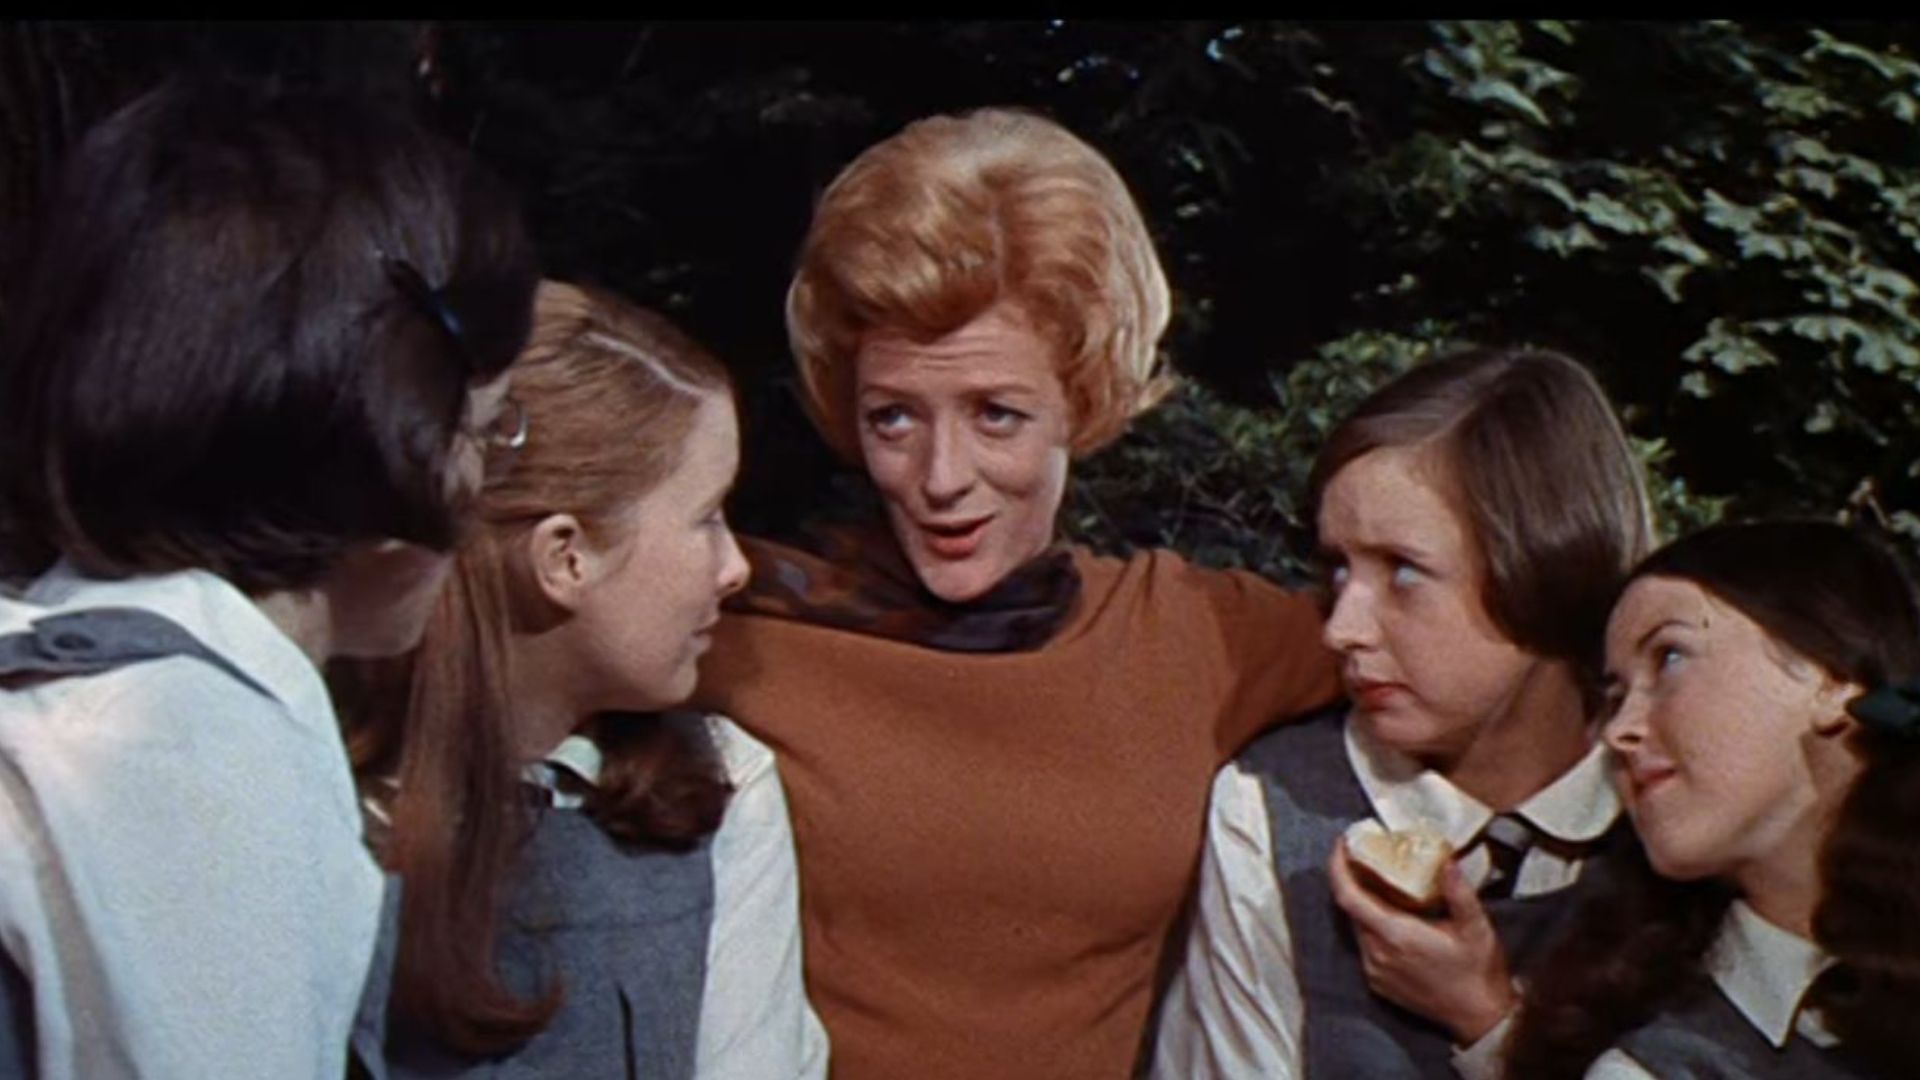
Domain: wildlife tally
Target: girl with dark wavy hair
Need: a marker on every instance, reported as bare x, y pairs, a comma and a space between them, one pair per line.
595, 885
1766, 727
246, 376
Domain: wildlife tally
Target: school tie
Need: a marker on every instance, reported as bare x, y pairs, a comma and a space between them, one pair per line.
1506, 838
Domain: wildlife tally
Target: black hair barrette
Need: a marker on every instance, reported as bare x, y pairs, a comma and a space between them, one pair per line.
430, 301
1891, 709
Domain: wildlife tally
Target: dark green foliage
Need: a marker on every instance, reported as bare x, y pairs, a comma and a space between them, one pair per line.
1722, 218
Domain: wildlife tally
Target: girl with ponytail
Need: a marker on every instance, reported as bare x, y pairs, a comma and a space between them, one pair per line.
594, 884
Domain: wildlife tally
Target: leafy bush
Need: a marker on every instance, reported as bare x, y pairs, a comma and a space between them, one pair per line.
1724, 219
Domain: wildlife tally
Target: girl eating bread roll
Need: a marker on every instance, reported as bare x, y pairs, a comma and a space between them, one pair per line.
1474, 517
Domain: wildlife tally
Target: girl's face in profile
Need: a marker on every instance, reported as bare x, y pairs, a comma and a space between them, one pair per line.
1711, 724
649, 616
1423, 662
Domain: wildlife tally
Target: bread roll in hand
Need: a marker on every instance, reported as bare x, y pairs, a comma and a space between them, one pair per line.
1403, 866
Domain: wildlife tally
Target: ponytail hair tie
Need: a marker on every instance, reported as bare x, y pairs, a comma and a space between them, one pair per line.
430, 301
1890, 709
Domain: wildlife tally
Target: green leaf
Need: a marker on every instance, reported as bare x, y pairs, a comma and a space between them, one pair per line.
1667, 278
1824, 328
1890, 68
1564, 242
1724, 213
1883, 352
1859, 168
1815, 180
1608, 212
1502, 92
1679, 244
1557, 29
1889, 282
1803, 148
1729, 350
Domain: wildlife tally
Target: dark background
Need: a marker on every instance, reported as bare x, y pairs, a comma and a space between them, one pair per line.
1722, 219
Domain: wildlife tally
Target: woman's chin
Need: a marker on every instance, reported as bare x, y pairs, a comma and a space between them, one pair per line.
957, 581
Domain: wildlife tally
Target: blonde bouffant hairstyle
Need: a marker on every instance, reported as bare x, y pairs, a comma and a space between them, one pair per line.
926, 231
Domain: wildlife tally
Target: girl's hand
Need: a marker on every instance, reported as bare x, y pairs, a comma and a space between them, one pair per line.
1450, 968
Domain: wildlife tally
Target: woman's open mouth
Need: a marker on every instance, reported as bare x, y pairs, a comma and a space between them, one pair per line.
954, 540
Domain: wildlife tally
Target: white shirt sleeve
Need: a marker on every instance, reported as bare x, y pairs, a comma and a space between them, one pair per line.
755, 1020
1487, 1058
1234, 1007
1617, 1065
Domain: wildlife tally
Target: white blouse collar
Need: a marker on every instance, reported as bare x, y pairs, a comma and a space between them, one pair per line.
1577, 806
1765, 971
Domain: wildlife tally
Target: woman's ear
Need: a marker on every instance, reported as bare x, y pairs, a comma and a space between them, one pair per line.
559, 559
1830, 702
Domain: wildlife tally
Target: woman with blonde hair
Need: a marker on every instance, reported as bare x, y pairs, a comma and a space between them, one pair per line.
595, 884
998, 745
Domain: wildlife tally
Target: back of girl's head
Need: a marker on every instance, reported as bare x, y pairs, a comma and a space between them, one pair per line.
245, 336
1541, 472
611, 393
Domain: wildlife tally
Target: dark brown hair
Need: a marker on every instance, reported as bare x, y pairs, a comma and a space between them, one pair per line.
245, 337
1542, 472
1844, 602
611, 392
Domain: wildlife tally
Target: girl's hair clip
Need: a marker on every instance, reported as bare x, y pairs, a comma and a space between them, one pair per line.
430, 301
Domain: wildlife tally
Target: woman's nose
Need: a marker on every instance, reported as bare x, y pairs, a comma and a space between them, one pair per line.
948, 471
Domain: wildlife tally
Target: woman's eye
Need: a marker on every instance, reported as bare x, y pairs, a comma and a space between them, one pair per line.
1405, 574
888, 419
1666, 656
999, 418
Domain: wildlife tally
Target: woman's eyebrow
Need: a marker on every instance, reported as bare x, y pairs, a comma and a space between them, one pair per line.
1641, 641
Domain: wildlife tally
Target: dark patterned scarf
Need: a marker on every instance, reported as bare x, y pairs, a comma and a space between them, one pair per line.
854, 577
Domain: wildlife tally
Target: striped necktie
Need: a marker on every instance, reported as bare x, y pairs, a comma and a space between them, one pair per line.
1506, 838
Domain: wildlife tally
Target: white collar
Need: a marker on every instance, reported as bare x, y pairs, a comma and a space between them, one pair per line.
578, 755
568, 770
219, 615
1577, 806
1765, 971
